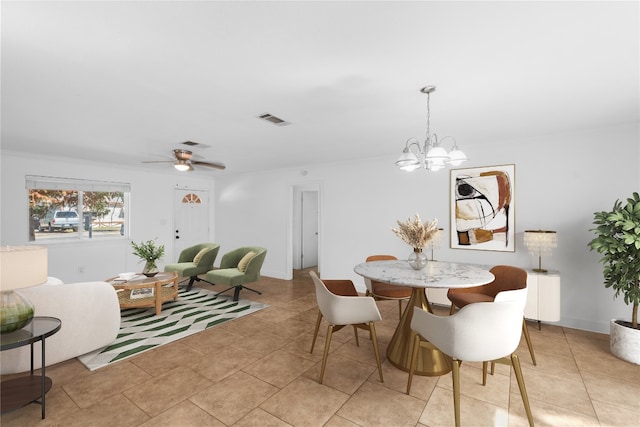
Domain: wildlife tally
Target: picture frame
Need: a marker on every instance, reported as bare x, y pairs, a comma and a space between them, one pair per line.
482, 211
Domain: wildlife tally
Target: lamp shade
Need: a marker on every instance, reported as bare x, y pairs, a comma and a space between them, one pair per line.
540, 243
22, 267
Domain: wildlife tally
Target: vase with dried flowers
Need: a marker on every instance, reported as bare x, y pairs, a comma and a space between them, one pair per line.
417, 234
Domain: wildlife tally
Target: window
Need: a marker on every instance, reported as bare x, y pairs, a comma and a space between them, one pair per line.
67, 209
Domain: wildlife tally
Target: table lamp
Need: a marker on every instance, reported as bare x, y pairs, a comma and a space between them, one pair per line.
20, 267
540, 243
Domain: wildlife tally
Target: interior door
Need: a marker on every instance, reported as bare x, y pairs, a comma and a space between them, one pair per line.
309, 226
191, 219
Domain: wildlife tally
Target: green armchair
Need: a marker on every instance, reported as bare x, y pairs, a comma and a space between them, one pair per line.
189, 266
238, 268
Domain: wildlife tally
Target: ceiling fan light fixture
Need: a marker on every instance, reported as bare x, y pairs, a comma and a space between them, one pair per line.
182, 166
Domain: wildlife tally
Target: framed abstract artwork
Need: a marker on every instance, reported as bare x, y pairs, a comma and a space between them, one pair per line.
482, 208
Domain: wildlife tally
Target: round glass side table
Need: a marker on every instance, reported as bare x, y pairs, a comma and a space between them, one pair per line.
21, 391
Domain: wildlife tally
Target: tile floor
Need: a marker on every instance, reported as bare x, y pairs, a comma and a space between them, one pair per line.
257, 371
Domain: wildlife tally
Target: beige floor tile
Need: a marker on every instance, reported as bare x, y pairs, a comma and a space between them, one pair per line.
279, 368
261, 344
621, 393
233, 397
495, 392
222, 363
164, 391
396, 379
337, 421
260, 417
165, 358
596, 389
439, 411
247, 325
553, 365
615, 416
211, 340
556, 390
304, 402
345, 375
116, 410
275, 314
601, 361
364, 352
88, 390
546, 414
376, 405
58, 406
184, 414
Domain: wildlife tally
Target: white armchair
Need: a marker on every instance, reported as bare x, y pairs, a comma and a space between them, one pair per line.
479, 332
90, 317
340, 311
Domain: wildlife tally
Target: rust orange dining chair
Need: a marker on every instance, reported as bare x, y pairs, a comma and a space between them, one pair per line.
385, 291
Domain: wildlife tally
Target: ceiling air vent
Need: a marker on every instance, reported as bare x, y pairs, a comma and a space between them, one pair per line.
195, 144
273, 119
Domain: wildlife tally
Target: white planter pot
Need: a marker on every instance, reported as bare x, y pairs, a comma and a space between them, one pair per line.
625, 342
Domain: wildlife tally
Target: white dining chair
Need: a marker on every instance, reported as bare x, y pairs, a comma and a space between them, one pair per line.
479, 332
340, 311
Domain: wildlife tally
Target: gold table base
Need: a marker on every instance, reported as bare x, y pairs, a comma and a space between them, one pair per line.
431, 362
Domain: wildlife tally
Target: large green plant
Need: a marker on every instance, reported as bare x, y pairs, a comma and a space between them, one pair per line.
618, 240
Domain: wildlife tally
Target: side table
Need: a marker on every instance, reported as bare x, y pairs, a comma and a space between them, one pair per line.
21, 391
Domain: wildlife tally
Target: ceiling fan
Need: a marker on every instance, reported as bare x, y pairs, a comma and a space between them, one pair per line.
183, 161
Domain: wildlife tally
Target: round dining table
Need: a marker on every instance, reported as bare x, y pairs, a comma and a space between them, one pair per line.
437, 274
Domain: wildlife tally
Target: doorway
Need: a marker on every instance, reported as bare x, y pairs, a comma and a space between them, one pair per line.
306, 224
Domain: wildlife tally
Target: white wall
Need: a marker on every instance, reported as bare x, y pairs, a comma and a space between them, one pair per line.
359, 203
561, 180
152, 206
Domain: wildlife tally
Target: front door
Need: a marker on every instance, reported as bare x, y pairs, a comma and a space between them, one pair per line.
191, 219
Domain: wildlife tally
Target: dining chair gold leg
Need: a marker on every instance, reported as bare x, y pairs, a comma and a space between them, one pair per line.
515, 362
452, 309
355, 331
414, 360
374, 340
327, 344
399, 309
315, 333
525, 331
456, 390
484, 373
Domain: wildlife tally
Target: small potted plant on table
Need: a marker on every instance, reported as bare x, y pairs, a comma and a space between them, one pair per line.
618, 240
150, 253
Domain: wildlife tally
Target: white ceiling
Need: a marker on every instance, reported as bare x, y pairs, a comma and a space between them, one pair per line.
96, 80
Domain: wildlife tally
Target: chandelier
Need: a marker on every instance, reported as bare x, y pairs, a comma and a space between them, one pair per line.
430, 154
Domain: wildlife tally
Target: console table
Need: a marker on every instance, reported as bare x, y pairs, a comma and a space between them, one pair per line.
21, 391
543, 297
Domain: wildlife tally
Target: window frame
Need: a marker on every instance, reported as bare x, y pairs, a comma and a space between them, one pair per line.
79, 186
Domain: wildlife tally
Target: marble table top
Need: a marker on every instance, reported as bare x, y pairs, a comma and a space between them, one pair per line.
437, 274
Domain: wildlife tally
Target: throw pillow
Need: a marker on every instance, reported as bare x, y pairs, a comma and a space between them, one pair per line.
199, 255
242, 265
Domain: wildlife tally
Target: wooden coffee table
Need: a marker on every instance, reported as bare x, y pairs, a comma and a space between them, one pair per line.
161, 293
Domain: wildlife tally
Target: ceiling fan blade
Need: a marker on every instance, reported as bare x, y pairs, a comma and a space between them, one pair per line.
159, 161
210, 164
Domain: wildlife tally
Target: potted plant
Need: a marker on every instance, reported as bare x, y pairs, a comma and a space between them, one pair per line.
618, 240
150, 253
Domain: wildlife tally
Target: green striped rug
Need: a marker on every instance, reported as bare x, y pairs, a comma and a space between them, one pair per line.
193, 312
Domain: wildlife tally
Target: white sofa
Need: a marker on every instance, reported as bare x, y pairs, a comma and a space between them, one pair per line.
90, 317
